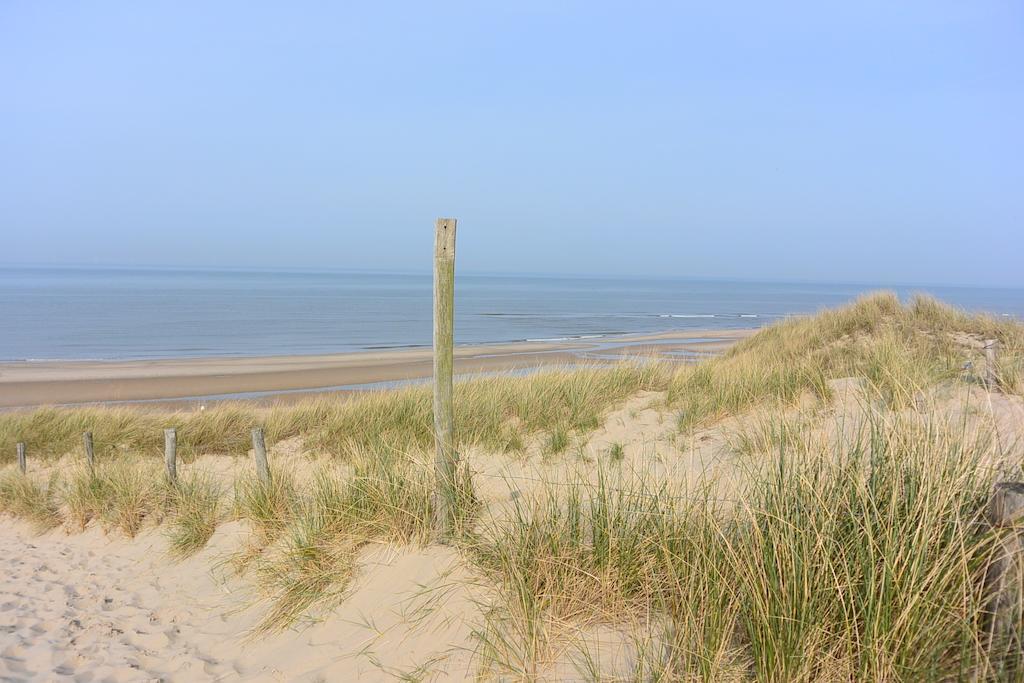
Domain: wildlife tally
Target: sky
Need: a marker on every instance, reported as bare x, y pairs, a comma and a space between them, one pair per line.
825, 141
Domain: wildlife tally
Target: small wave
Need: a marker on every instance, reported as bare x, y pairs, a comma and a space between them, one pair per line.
381, 347
570, 338
66, 360
716, 315
688, 315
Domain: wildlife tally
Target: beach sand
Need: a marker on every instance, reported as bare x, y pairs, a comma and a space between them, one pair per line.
92, 607
25, 384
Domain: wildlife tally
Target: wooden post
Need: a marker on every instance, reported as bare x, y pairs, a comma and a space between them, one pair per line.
1005, 576
89, 456
991, 370
445, 459
171, 454
22, 458
259, 449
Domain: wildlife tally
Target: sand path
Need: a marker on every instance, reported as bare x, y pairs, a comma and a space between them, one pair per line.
67, 613
92, 608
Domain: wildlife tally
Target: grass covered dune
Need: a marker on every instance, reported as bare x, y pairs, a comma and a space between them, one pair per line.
838, 535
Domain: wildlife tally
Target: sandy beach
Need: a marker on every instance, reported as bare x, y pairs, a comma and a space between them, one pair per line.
28, 384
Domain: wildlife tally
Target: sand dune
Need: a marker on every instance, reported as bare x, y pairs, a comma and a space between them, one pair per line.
98, 607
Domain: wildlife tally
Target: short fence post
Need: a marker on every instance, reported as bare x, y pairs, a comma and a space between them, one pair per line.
259, 449
991, 369
22, 459
445, 459
171, 454
89, 457
1004, 577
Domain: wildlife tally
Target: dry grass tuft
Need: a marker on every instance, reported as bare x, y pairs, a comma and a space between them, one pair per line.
25, 497
197, 505
387, 498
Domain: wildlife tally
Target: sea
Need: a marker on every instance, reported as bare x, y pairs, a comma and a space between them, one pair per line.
124, 313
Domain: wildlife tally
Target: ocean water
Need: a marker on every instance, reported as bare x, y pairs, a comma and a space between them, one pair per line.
101, 314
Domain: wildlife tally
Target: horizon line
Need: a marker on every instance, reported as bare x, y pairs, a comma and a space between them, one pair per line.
492, 273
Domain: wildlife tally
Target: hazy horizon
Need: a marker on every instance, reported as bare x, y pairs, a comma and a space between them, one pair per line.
847, 144
463, 272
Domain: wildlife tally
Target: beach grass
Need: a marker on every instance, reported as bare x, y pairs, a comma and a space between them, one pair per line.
898, 349
386, 498
858, 559
29, 498
862, 560
127, 493
197, 506
267, 506
85, 498
497, 413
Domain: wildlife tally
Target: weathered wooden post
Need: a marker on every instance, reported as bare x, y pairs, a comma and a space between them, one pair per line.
171, 454
445, 459
1004, 578
90, 458
259, 449
22, 458
991, 369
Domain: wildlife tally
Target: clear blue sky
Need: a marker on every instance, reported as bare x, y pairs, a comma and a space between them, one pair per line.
856, 141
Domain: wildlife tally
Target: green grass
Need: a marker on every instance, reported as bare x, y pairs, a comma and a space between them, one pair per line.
132, 490
558, 441
387, 498
125, 493
899, 349
495, 412
616, 452
314, 562
852, 560
588, 553
85, 497
121, 494
25, 497
197, 506
865, 560
267, 507
766, 433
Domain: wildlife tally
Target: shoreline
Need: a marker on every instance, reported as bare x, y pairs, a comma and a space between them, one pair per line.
26, 385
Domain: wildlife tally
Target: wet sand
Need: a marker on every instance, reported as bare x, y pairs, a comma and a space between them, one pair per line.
25, 384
